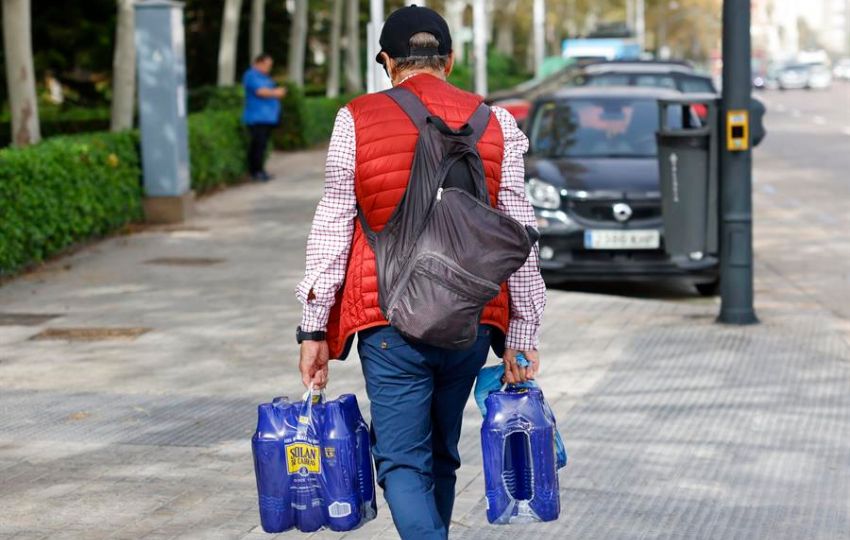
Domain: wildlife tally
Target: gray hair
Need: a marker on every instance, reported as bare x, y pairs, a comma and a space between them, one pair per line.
422, 40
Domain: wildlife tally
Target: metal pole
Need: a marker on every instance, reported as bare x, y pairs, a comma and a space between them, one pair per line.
479, 26
539, 34
736, 240
640, 24
376, 79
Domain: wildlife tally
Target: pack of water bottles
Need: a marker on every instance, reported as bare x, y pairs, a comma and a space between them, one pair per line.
522, 451
313, 464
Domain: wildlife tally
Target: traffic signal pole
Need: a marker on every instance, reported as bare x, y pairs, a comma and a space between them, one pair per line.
736, 244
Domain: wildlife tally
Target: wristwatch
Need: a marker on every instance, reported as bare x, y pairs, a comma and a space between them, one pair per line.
309, 336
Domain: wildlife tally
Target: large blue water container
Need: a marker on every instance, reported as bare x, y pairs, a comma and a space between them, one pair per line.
520, 469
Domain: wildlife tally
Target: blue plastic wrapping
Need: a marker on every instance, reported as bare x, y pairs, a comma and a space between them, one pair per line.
520, 473
522, 450
490, 380
313, 465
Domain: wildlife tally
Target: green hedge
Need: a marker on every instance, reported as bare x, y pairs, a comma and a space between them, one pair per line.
65, 190
502, 72
215, 98
217, 148
98, 120
70, 188
306, 121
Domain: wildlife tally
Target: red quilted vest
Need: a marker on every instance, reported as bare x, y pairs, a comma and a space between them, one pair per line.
386, 139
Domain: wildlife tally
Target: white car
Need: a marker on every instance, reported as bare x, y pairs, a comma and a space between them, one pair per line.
796, 76
820, 77
842, 69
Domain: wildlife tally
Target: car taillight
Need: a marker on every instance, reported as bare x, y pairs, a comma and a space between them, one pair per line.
701, 110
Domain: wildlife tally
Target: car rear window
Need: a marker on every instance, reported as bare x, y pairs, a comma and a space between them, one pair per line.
597, 128
608, 79
656, 81
696, 85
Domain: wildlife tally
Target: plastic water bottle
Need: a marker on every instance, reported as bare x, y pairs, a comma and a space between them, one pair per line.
270, 467
365, 470
303, 453
520, 474
339, 461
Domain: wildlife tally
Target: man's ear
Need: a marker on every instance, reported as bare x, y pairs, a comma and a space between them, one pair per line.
450, 64
388, 64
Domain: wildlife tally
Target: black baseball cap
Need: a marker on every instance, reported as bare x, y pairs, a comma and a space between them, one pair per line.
403, 23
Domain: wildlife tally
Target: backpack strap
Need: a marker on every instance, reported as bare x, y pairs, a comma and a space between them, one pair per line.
478, 122
410, 104
420, 115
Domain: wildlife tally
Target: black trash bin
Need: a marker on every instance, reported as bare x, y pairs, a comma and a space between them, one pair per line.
687, 163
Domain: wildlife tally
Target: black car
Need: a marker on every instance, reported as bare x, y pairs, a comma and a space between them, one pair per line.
592, 177
671, 74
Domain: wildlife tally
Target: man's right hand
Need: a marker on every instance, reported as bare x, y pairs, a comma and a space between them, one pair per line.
514, 374
280, 92
314, 363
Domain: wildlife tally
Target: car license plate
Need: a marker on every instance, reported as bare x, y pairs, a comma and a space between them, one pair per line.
612, 239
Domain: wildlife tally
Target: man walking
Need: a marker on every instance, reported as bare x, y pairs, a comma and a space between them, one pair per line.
261, 113
417, 391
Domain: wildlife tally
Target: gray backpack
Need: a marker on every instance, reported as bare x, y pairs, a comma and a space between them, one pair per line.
444, 251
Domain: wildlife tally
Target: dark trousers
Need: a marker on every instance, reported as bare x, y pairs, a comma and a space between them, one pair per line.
417, 395
260, 134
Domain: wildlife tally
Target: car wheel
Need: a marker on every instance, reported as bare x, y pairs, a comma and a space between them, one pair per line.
708, 289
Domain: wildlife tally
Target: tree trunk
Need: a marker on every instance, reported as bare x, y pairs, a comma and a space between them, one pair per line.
258, 21
123, 69
227, 44
353, 75
20, 76
505, 32
298, 43
336, 35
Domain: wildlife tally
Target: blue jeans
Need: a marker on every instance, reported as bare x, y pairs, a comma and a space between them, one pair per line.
417, 395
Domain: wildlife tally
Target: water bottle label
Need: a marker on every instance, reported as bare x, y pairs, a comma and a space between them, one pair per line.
339, 509
303, 458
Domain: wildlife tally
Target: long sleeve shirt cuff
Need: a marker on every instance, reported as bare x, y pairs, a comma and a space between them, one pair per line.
522, 335
314, 317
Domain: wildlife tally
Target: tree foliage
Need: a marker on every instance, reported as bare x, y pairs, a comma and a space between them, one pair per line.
75, 40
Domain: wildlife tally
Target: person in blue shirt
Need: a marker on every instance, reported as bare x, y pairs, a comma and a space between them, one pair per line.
261, 113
